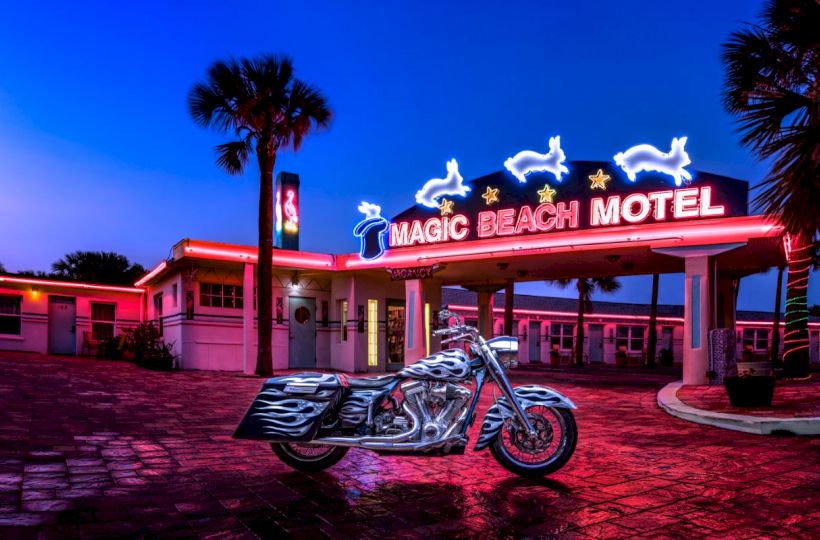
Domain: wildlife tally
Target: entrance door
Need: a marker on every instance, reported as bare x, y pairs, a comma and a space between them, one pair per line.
395, 334
62, 325
302, 322
596, 343
666, 338
535, 341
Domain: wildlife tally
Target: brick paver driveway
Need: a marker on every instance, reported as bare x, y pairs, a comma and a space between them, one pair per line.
101, 449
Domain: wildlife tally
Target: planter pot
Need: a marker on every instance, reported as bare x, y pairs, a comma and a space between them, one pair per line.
620, 359
749, 391
555, 359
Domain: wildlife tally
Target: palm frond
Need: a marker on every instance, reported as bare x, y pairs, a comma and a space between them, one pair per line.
232, 156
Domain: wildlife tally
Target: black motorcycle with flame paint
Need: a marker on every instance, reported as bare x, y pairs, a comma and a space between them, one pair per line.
313, 419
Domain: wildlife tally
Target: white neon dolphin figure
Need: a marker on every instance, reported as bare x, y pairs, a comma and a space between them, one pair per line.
646, 157
527, 161
434, 188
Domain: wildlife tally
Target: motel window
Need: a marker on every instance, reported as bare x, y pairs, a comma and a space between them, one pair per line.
343, 318
103, 317
10, 314
561, 336
372, 332
629, 338
756, 339
220, 296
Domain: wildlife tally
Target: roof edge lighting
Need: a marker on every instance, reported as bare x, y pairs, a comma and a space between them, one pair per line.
152, 274
70, 284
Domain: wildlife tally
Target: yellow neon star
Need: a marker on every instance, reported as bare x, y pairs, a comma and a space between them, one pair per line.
491, 195
446, 207
546, 194
599, 180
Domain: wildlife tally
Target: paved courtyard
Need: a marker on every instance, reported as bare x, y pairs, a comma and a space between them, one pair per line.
105, 449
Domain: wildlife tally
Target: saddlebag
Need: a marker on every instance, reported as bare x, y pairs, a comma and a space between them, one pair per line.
290, 408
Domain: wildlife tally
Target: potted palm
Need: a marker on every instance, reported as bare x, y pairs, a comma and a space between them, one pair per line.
750, 385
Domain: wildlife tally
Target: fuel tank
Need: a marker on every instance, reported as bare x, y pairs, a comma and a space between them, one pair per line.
450, 365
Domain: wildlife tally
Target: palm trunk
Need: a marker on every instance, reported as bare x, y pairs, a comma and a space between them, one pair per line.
264, 267
796, 338
652, 338
579, 331
775, 347
509, 297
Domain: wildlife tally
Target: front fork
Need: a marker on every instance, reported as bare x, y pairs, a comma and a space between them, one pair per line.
504, 385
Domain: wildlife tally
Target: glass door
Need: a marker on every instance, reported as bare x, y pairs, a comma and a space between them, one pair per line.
395, 334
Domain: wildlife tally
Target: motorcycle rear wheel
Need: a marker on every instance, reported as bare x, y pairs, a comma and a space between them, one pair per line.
518, 454
309, 458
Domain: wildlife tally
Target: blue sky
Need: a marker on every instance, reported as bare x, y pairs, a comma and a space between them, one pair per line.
97, 150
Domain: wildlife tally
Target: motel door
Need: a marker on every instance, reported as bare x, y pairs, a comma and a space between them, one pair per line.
395, 334
62, 325
302, 322
535, 342
596, 343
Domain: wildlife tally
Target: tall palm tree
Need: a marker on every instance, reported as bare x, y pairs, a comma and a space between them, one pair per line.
772, 86
260, 103
652, 336
586, 287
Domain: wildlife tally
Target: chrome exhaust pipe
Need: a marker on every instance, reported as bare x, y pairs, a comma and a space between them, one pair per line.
369, 441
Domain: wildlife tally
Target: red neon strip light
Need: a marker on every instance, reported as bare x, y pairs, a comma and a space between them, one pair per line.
304, 260
150, 275
69, 284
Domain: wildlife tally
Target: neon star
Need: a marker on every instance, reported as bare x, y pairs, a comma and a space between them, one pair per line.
490, 196
599, 180
446, 207
546, 194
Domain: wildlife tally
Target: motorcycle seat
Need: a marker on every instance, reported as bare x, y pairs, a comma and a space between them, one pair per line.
370, 382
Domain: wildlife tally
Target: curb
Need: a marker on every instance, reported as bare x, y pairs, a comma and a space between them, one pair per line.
758, 425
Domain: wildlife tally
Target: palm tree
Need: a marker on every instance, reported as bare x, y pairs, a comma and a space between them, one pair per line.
772, 86
652, 337
2, 269
586, 288
97, 267
260, 103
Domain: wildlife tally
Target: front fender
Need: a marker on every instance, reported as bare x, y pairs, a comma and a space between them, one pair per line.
527, 396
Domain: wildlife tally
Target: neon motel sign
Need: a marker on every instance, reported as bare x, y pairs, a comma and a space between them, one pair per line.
632, 209
551, 194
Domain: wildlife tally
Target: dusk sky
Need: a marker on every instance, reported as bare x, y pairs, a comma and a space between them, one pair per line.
98, 152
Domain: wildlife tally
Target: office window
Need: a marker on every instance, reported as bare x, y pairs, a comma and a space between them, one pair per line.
10, 317
372, 332
756, 339
175, 294
629, 338
158, 312
561, 336
220, 296
103, 318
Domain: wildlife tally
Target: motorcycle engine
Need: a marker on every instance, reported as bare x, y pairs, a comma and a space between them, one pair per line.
437, 405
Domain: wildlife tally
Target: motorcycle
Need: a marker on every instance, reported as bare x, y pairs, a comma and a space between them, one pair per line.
313, 419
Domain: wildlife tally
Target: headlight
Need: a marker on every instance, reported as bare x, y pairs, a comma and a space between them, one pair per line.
506, 350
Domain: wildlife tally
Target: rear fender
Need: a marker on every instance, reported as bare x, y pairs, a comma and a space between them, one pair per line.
527, 396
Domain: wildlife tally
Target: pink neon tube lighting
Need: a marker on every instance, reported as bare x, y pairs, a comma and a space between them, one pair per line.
69, 284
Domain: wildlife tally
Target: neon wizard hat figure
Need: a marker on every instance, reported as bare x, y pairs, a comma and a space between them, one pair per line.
370, 231
527, 162
646, 157
438, 187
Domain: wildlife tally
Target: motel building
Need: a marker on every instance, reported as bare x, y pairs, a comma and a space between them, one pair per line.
460, 245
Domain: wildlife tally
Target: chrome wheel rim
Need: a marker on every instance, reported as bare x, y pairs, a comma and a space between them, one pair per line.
547, 445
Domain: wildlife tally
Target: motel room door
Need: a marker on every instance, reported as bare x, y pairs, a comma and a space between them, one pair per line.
62, 325
596, 343
535, 341
395, 334
302, 322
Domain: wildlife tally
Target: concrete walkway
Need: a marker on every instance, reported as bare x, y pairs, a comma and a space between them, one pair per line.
747, 423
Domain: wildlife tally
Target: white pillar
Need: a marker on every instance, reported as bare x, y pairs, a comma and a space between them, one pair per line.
485, 314
697, 313
248, 349
414, 340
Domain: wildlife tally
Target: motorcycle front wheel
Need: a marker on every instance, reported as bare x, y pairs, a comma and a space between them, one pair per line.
548, 451
309, 457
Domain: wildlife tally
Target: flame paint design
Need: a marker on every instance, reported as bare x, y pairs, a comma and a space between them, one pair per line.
449, 365
528, 396
291, 418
